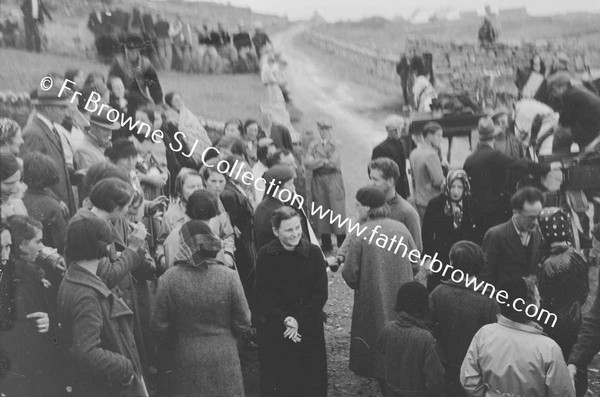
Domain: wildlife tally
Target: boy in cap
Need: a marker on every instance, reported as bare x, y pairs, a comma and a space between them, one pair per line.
394, 148
323, 158
412, 364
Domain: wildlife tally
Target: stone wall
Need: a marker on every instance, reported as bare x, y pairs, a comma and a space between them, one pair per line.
461, 67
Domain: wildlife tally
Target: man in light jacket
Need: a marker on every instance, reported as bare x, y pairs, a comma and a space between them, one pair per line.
513, 357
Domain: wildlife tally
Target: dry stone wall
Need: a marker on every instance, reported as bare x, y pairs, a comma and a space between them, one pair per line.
461, 67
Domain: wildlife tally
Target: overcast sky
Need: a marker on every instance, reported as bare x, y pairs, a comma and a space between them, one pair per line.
333, 10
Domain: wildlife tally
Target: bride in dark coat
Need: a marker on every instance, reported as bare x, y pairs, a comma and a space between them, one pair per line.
449, 218
291, 288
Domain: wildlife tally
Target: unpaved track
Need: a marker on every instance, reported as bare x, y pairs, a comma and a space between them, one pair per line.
316, 90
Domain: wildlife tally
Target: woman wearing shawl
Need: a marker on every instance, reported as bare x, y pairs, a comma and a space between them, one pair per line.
196, 136
450, 217
562, 278
200, 309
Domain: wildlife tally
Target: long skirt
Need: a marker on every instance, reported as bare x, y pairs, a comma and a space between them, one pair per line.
289, 369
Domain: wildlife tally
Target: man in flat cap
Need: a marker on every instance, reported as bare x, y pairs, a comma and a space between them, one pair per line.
580, 112
96, 140
141, 82
323, 158
41, 135
393, 148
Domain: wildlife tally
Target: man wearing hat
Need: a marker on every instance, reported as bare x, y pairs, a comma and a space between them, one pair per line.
580, 111
260, 38
141, 82
506, 140
487, 168
41, 135
323, 158
393, 148
96, 140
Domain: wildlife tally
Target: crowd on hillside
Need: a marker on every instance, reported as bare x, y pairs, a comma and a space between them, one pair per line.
137, 266
172, 43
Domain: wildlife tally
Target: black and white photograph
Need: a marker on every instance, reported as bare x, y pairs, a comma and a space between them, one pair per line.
316, 198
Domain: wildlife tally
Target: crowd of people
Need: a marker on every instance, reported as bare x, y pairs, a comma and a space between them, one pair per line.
175, 43
130, 268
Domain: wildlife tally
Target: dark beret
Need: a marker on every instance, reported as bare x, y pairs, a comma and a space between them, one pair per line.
370, 196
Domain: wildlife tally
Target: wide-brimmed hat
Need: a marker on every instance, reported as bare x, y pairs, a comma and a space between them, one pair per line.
121, 148
50, 97
486, 129
101, 119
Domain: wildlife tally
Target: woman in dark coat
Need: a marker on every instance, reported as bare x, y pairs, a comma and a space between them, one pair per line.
241, 214
40, 174
450, 217
562, 279
200, 309
291, 288
31, 345
97, 325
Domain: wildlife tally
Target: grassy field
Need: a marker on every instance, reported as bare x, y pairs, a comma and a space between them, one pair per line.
391, 36
213, 97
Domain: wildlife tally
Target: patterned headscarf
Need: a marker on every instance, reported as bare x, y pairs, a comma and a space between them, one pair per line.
455, 208
555, 225
196, 239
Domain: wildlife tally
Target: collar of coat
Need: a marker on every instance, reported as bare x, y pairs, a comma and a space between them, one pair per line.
275, 247
405, 320
24, 270
78, 275
531, 327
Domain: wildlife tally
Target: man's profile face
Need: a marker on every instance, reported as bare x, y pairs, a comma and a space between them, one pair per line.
379, 182
526, 219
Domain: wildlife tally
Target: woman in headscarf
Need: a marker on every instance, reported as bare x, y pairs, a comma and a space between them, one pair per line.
532, 81
562, 278
199, 311
202, 205
196, 136
291, 290
450, 217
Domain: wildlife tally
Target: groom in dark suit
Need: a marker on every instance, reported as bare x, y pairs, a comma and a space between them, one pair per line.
41, 135
513, 248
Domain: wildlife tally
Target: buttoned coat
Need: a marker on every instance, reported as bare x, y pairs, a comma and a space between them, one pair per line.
39, 138
375, 274
97, 327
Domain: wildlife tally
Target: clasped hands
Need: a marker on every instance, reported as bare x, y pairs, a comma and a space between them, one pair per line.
291, 331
